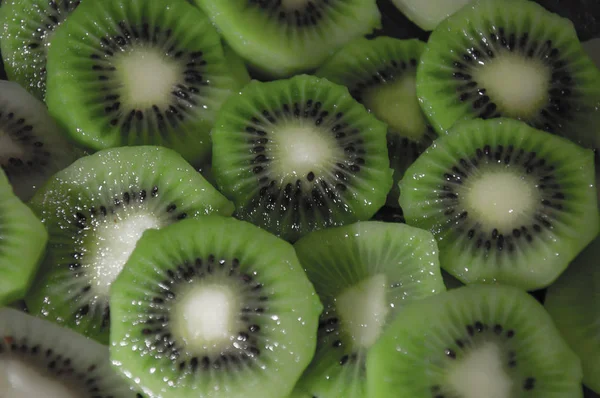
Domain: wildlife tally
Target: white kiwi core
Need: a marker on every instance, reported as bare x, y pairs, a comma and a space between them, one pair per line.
481, 374
206, 317
517, 85
397, 104
115, 239
9, 148
363, 310
500, 199
19, 379
148, 77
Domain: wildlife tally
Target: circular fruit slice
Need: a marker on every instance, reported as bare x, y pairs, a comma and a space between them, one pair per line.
23, 241
511, 58
474, 341
300, 154
213, 307
364, 274
95, 211
506, 203
138, 72
41, 359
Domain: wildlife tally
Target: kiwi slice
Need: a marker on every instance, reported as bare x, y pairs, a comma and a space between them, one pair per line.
32, 146
380, 73
41, 359
364, 274
510, 58
427, 14
138, 72
474, 341
300, 154
95, 211
283, 38
237, 65
507, 203
572, 301
25, 35
213, 307
23, 241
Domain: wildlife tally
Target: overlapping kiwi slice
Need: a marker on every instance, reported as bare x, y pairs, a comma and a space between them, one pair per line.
506, 202
514, 59
95, 211
364, 273
32, 146
573, 302
41, 359
23, 240
280, 38
300, 154
381, 73
222, 309
474, 341
25, 35
138, 72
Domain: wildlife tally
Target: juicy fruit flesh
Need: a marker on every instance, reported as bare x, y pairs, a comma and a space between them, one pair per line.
501, 199
114, 240
481, 374
363, 309
299, 148
148, 77
9, 148
19, 379
397, 104
518, 85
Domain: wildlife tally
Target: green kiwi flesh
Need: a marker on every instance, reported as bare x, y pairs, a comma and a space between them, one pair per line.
511, 58
41, 359
23, 240
475, 341
300, 154
32, 146
136, 72
283, 38
572, 301
223, 310
25, 35
238, 66
427, 14
364, 273
381, 73
507, 203
95, 211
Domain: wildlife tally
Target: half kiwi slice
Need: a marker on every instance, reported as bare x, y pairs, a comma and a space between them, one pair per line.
41, 359
507, 203
27, 29
300, 154
283, 38
23, 241
572, 301
364, 274
380, 73
213, 307
511, 58
474, 341
427, 14
138, 72
95, 211
32, 146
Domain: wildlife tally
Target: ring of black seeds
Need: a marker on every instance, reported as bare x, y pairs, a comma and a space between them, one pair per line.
293, 195
25, 136
329, 331
475, 333
159, 338
560, 92
84, 221
184, 97
552, 197
307, 16
54, 363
